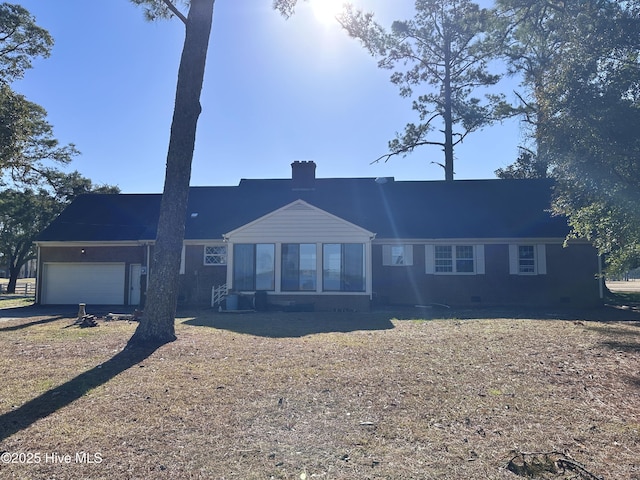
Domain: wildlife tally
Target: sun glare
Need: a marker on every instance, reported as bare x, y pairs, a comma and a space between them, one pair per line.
326, 10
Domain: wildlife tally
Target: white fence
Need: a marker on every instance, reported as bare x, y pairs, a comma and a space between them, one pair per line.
28, 289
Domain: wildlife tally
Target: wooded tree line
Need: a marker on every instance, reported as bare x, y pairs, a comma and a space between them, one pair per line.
578, 96
576, 60
33, 188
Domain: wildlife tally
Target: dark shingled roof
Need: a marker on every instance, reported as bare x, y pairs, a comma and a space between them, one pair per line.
413, 209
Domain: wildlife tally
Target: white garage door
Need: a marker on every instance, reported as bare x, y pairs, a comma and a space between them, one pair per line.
91, 283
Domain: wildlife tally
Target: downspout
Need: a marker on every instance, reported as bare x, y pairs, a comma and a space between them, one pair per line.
369, 266
600, 277
148, 245
38, 274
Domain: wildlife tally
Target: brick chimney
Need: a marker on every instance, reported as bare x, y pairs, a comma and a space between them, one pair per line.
303, 175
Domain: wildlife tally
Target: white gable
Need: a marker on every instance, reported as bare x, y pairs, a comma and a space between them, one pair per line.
299, 222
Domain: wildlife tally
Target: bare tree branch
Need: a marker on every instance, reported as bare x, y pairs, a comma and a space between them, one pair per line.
175, 11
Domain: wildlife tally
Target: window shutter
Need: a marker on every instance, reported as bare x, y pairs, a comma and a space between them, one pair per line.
408, 254
541, 259
513, 259
386, 254
429, 259
479, 254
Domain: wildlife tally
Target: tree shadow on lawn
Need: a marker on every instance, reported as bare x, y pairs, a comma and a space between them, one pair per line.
61, 396
626, 347
605, 313
293, 324
300, 324
31, 311
32, 323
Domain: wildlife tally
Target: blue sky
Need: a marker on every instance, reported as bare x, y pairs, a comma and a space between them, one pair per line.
275, 91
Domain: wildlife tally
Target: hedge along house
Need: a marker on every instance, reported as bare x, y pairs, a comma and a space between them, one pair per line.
335, 243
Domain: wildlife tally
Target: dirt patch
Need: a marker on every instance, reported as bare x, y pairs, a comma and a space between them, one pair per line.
388, 395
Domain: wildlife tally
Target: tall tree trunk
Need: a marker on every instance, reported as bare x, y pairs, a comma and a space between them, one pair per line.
157, 325
542, 124
448, 114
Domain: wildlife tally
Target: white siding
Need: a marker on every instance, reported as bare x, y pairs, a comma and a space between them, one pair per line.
299, 222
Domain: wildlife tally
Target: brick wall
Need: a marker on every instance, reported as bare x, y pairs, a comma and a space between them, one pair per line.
570, 280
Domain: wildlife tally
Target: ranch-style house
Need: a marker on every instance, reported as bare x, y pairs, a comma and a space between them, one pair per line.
327, 244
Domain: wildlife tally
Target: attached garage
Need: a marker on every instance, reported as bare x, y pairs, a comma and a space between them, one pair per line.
92, 283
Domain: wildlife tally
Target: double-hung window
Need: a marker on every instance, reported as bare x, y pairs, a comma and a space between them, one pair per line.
299, 267
527, 259
454, 259
254, 266
444, 258
397, 255
343, 267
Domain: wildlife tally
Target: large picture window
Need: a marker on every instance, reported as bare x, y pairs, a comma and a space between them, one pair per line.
343, 267
299, 267
254, 267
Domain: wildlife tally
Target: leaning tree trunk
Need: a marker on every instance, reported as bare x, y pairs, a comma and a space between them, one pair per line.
13, 277
157, 323
17, 258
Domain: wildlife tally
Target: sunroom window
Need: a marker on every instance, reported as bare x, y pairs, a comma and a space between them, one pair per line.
299, 267
254, 266
343, 267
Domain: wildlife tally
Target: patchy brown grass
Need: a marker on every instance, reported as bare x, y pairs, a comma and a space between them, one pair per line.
13, 301
387, 395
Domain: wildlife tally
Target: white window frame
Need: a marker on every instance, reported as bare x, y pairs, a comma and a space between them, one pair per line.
539, 259
397, 255
223, 257
478, 259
